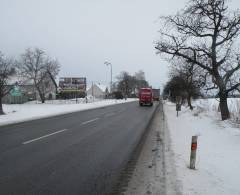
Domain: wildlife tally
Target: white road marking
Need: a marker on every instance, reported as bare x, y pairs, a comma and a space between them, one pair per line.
42, 137
86, 122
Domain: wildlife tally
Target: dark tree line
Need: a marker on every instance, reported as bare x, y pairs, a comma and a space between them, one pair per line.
205, 34
185, 80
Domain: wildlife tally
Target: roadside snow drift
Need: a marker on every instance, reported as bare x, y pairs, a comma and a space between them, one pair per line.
34, 110
217, 167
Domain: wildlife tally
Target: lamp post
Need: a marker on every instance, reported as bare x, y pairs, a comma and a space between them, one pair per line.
109, 64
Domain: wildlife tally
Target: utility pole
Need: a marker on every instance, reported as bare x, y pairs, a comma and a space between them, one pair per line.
92, 92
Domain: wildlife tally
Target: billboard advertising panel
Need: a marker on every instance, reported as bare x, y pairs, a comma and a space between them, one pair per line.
73, 83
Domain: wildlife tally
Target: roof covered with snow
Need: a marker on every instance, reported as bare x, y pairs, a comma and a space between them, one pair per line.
100, 86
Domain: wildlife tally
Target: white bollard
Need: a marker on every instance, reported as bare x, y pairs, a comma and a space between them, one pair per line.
193, 152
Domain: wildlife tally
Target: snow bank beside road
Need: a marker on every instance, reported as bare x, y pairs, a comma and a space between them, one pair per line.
211, 105
217, 167
30, 111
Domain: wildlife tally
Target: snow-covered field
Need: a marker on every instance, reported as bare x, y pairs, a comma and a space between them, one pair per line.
211, 105
34, 110
217, 167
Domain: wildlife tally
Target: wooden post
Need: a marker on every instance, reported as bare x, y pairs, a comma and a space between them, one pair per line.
193, 152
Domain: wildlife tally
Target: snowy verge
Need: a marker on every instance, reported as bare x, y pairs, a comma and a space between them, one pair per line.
217, 163
15, 113
211, 105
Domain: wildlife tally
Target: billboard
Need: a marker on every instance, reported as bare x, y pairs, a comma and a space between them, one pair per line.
73, 84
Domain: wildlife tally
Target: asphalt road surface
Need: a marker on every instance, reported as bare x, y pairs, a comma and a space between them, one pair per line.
79, 153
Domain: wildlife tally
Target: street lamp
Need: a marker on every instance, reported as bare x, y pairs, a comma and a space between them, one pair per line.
109, 64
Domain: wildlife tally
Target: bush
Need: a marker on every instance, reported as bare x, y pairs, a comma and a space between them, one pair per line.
118, 94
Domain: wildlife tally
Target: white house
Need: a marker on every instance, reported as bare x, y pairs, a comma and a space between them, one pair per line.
97, 91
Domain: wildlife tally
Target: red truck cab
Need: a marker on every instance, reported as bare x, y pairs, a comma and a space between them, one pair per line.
145, 96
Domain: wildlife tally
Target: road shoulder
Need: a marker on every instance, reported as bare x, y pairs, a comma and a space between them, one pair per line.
154, 173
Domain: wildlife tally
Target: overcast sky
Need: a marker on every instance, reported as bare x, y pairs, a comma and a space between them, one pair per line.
82, 34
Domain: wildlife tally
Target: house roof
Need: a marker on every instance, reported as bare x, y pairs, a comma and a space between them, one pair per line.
101, 87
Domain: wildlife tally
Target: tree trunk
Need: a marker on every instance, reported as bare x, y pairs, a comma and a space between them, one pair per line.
189, 102
224, 106
1, 107
42, 96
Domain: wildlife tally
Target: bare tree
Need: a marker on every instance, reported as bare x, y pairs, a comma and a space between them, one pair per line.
176, 86
205, 33
37, 67
129, 84
126, 83
190, 76
140, 80
6, 71
140, 75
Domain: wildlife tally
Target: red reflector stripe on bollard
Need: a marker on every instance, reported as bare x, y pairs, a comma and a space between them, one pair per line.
194, 146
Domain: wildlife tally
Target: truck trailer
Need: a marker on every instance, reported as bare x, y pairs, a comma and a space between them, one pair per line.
156, 94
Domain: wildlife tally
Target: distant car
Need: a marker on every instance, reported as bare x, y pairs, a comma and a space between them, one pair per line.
145, 96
